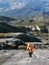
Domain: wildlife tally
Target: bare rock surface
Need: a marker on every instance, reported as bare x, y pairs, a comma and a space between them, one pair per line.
20, 57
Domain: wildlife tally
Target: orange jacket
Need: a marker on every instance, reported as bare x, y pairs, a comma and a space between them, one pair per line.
30, 48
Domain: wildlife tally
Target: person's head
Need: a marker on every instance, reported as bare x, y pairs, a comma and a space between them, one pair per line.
28, 44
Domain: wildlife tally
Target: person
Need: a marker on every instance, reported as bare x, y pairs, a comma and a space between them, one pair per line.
30, 49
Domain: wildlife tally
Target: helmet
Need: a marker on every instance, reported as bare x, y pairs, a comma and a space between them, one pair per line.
28, 44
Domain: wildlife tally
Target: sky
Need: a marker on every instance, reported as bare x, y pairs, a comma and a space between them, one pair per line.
7, 5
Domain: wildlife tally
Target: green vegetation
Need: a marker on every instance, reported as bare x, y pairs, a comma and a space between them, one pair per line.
10, 25
6, 28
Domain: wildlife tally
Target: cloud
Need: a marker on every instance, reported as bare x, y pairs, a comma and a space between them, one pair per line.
7, 5
47, 9
17, 5
13, 4
1, 9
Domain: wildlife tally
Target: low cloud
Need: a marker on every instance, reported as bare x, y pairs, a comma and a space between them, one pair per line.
1, 9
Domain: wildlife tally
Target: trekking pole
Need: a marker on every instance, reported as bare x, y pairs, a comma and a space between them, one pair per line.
36, 55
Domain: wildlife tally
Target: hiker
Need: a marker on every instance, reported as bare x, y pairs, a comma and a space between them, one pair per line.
30, 49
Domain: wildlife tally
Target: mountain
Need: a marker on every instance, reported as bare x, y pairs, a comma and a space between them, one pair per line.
5, 28
24, 9
6, 19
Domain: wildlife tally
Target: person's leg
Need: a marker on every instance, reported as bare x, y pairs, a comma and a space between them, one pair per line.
30, 54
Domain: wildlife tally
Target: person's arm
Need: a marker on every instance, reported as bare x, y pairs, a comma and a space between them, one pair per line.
33, 48
27, 48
